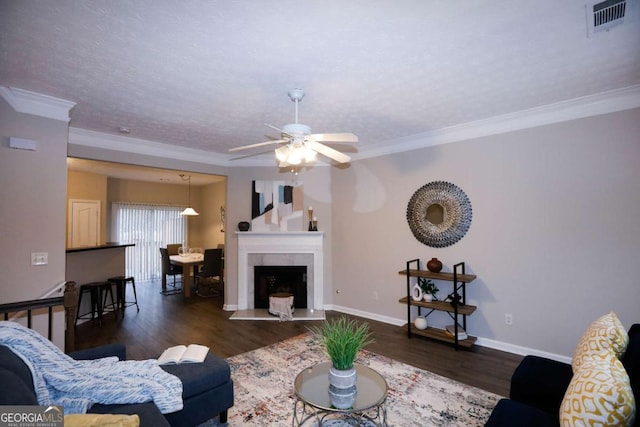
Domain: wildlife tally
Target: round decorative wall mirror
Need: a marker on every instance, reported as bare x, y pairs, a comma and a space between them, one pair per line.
439, 214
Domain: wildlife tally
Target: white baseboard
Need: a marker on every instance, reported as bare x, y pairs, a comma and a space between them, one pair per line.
523, 351
366, 315
483, 342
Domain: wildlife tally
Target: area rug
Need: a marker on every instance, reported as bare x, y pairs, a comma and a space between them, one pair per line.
263, 381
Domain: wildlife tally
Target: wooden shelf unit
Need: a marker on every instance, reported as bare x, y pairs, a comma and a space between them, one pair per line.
457, 312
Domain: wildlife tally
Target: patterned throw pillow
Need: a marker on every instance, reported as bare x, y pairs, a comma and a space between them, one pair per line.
599, 394
101, 420
606, 334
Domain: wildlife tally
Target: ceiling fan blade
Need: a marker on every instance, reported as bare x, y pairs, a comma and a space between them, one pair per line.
276, 128
259, 144
334, 137
329, 152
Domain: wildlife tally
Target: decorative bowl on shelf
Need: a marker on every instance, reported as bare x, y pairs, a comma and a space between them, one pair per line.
243, 226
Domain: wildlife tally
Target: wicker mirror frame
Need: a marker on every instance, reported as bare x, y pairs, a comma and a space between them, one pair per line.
457, 214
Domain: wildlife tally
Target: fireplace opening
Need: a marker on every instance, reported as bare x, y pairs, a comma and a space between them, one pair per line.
269, 279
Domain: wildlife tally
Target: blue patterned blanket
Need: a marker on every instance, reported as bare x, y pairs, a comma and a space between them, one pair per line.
77, 384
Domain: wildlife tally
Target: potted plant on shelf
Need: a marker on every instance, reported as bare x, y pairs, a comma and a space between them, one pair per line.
342, 340
428, 288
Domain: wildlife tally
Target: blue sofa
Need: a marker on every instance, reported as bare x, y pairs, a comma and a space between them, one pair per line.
538, 386
207, 388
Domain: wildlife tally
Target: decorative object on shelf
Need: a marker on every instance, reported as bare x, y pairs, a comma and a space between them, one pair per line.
223, 218
455, 299
434, 265
439, 214
416, 292
428, 288
243, 226
342, 340
420, 322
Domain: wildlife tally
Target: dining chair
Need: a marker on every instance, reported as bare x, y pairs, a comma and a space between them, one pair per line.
209, 280
169, 269
173, 248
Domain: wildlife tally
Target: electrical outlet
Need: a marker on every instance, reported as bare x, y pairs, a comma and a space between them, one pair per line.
508, 319
39, 258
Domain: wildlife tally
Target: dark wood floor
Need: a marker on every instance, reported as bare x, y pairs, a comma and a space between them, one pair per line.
164, 321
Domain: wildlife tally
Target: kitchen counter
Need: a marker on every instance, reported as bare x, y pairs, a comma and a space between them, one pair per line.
110, 245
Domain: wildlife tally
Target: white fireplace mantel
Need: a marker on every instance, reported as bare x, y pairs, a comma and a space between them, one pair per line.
303, 242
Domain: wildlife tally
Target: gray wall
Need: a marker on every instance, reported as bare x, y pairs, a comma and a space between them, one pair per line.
32, 218
554, 240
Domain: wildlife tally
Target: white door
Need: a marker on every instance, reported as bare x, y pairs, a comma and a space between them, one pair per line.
84, 223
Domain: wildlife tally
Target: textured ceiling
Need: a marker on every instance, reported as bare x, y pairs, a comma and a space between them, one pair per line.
208, 74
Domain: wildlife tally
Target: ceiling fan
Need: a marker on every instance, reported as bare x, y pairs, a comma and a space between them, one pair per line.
298, 144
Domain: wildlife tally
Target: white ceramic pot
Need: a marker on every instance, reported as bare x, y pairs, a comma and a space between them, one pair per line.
420, 322
342, 378
427, 297
416, 293
342, 398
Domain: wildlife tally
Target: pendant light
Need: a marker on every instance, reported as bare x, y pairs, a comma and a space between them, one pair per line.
189, 211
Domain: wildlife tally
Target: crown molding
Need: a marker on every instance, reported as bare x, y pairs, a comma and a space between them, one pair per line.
578, 108
24, 101
587, 106
127, 144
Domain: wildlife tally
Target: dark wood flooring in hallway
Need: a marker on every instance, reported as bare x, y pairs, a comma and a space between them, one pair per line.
164, 321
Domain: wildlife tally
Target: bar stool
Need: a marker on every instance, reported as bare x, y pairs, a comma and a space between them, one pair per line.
98, 292
121, 288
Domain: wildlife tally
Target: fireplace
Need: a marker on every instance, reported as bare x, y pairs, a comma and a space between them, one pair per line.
280, 249
271, 279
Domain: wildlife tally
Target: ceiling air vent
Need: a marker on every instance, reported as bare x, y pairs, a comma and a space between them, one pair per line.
605, 15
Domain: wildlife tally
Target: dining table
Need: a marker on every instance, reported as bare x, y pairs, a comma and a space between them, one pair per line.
189, 263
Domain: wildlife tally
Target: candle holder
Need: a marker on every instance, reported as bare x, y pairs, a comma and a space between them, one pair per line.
310, 212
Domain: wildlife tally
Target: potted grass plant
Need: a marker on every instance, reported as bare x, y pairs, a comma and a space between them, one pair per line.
342, 340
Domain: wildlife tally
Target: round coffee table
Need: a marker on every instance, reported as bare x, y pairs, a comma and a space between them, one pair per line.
312, 401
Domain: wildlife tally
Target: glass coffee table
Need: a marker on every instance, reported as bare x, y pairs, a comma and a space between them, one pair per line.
311, 388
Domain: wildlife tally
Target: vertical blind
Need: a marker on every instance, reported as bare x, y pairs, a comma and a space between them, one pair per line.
150, 227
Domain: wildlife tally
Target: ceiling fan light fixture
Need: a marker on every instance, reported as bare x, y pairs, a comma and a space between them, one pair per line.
282, 153
295, 153
299, 145
296, 129
295, 156
310, 155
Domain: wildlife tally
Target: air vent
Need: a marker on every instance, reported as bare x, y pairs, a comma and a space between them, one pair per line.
607, 14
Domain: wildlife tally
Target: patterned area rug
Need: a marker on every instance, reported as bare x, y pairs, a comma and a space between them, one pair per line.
263, 381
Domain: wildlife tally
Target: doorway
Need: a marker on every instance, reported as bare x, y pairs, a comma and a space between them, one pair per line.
84, 223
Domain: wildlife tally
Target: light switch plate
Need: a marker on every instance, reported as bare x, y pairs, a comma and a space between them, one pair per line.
39, 258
